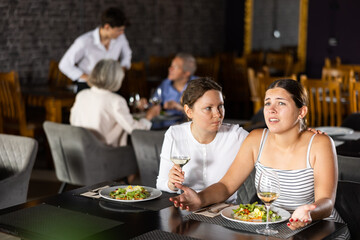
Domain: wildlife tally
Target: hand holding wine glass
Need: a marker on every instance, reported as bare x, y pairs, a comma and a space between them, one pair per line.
179, 152
155, 96
268, 190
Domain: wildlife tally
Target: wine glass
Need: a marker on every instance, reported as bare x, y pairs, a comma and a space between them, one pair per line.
155, 96
134, 101
179, 152
268, 190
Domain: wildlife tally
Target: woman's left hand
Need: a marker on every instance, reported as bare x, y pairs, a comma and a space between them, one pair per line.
301, 216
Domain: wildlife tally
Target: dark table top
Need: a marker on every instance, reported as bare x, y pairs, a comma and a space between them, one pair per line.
122, 221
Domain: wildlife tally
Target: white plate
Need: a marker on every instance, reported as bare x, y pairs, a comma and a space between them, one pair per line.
154, 193
335, 131
228, 214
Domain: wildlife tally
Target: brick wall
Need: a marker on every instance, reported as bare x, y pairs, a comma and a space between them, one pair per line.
34, 31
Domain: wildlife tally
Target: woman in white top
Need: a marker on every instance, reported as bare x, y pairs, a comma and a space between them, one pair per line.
212, 145
105, 112
288, 150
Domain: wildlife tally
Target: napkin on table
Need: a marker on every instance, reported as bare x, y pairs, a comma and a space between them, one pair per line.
213, 210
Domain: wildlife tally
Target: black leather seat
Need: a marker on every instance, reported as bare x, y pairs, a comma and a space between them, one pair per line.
348, 205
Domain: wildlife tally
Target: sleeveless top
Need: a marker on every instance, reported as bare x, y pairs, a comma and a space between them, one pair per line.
296, 186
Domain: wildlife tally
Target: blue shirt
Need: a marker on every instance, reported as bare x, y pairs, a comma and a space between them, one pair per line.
168, 93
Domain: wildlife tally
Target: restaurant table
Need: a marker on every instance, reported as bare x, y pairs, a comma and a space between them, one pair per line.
74, 216
51, 98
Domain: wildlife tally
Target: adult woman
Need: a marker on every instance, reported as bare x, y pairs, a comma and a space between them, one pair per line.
287, 149
104, 112
212, 144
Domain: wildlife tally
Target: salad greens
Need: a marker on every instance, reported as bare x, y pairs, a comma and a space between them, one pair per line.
254, 213
130, 193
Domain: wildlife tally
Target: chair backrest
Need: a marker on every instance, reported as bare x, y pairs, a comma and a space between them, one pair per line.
337, 74
80, 158
255, 60
324, 102
354, 96
265, 81
208, 67
347, 204
147, 146
280, 63
56, 78
17, 157
11, 104
158, 66
254, 86
348, 168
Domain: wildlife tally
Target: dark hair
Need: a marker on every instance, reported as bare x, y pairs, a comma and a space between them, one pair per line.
115, 17
196, 89
297, 92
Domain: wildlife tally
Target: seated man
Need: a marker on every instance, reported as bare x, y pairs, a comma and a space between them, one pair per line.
181, 71
107, 41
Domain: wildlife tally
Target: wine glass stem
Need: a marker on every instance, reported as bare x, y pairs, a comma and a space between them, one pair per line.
267, 215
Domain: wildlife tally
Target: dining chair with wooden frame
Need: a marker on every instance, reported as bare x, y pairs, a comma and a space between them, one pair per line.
254, 86
354, 96
208, 67
12, 106
324, 102
266, 80
280, 63
56, 78
338, 74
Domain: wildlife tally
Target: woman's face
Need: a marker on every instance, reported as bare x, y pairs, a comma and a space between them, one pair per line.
208, 111
280, 111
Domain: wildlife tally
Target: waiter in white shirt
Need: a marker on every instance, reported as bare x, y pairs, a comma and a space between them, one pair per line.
105, 42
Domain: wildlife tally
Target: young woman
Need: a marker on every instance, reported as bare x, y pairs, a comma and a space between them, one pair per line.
212, 145
308, 177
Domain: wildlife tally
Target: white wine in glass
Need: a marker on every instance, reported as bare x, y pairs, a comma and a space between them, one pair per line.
268, 190
179, 152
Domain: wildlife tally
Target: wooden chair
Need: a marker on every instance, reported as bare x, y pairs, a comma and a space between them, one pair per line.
12, 106
56, 78
324, 102
280, 64
208, 67
265, 81
158, 67
255, 60
135, 81
354, 96
338, 74
254, 86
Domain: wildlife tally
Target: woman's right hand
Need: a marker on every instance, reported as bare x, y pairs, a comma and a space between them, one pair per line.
176, 175
189, 200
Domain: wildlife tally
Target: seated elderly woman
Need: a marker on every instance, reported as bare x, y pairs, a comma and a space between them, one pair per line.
105, 112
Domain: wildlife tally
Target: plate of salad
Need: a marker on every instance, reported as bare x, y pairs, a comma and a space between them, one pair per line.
254, 214
128, 193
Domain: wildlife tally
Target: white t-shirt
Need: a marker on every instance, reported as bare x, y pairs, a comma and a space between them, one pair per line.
209, 162
87, 50
106, 114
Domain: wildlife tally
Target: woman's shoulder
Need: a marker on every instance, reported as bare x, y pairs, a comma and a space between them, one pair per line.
230, 129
